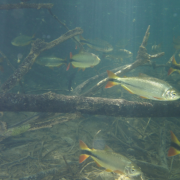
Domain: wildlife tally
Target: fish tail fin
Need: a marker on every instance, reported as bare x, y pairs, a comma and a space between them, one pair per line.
174, 143
83, 146
111, 75
171, 70
111, 84
174, 61
83, 157
68, 67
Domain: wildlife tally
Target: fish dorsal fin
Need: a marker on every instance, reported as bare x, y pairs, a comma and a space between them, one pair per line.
174, 139
143, 75
108, 149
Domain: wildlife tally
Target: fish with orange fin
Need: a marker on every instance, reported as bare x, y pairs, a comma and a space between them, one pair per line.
175, 146
145, 86
174, 67
111, 161
83, 60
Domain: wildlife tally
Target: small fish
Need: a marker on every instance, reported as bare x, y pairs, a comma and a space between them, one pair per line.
175, 146
22, 40
51, 62
145, 86
156, 48
83, 60
97, 44
110, 160
174, 67
120, 54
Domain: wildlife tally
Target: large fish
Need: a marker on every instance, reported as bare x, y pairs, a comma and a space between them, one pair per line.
83, 60
145, 86
175, 145
51, 61
22, 40
110, 160
174, 67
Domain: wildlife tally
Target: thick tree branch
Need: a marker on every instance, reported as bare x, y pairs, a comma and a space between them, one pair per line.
51, 102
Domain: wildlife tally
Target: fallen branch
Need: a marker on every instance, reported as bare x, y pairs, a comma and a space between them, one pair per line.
26, 5
51, 102
38, 46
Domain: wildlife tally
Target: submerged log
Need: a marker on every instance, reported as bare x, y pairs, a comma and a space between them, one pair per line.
51, 102
38, 46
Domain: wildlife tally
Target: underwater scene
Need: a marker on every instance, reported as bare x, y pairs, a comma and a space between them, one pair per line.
89, 90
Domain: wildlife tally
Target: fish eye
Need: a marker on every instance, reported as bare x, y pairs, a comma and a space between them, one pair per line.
173, 94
